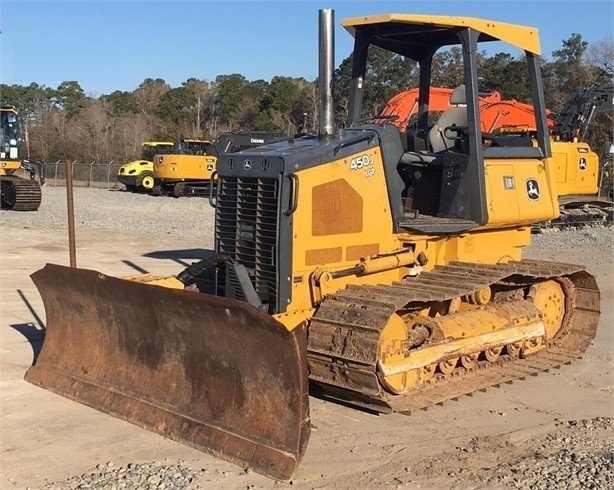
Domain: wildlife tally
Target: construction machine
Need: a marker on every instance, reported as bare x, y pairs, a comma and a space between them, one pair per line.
578, 170
496, 113
17, 193
138, 175
188, 171
383, 269
192, 159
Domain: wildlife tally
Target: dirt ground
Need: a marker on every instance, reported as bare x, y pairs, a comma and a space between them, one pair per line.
46, 438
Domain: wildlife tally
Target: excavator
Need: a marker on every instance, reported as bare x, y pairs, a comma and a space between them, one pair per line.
578, 171
138, 175
18, 194
186, 172
379, 269
495, 112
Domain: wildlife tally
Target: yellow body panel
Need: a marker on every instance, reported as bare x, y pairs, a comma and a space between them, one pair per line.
136, 168
576, 167
7, 167
183, 167
343, 216
526, 38
520, 192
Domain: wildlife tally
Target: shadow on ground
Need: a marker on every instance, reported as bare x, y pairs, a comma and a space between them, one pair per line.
33, 332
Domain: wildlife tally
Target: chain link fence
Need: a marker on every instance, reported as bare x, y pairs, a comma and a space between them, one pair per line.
85, 174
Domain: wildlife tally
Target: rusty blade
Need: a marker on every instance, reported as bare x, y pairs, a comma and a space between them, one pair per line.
213, 373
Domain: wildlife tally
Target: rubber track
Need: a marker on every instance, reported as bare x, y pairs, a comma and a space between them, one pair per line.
344, 333
27, 193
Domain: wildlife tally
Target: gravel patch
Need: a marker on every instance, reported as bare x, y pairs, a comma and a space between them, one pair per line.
579, 455
596, 237
118, 211
148, 476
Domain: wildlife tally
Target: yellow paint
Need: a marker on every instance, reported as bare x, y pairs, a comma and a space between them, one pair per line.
576, 168
508, 192
523, 37
168, 282
175, 167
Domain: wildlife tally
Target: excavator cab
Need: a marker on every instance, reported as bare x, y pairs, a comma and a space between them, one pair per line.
322, 276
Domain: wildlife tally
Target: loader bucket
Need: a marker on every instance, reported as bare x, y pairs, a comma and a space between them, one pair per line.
214, 373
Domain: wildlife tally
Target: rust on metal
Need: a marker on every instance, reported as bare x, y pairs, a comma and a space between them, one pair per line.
213, 373
71, 216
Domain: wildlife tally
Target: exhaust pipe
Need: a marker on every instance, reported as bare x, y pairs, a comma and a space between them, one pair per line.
326, 38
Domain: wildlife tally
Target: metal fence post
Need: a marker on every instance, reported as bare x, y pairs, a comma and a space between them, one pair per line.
89, 181
109, 175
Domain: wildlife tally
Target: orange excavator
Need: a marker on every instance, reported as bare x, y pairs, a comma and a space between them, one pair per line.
495, 112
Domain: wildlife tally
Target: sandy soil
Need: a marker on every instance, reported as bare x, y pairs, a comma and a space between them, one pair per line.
46, 438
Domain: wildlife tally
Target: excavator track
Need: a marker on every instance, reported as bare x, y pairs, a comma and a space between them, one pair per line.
579, 214
20, 194
344, 333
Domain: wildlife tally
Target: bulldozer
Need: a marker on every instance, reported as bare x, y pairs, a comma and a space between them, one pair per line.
378, 269
187, 172
138, 175
17, 193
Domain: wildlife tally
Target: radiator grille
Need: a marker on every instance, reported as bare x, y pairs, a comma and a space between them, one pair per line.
247, 232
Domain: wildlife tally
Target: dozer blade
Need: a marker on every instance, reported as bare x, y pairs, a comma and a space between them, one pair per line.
213, 373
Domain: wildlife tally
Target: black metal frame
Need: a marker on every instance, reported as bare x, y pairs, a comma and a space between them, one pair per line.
463, 192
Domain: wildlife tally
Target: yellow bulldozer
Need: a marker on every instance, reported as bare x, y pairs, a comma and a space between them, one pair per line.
383, 269
17, 193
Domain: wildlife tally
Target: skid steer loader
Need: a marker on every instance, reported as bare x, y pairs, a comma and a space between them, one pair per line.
382, 268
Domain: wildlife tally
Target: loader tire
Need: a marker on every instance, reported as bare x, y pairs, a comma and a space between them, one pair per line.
147, 180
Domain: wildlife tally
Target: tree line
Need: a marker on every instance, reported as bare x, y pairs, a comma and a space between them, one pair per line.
66, 123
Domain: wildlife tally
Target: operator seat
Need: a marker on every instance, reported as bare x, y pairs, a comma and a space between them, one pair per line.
455, 116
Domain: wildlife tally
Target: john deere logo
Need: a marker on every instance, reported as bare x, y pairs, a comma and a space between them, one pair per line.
532, 189
247, 164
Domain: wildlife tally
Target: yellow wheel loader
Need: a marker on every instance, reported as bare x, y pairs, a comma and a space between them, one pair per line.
383, 269
16, 193
138, 176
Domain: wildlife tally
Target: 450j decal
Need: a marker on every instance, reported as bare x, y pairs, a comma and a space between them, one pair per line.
363, 162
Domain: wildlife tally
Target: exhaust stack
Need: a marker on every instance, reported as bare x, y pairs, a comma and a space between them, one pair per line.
326, 38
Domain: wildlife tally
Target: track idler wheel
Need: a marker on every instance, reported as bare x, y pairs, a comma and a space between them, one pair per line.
549, 298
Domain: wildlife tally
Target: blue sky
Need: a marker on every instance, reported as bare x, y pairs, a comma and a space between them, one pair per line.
109, 45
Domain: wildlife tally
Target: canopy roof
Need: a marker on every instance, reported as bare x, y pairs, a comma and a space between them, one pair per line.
413, 35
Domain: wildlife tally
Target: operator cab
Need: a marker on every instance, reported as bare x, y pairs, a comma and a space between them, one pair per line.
442, 157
